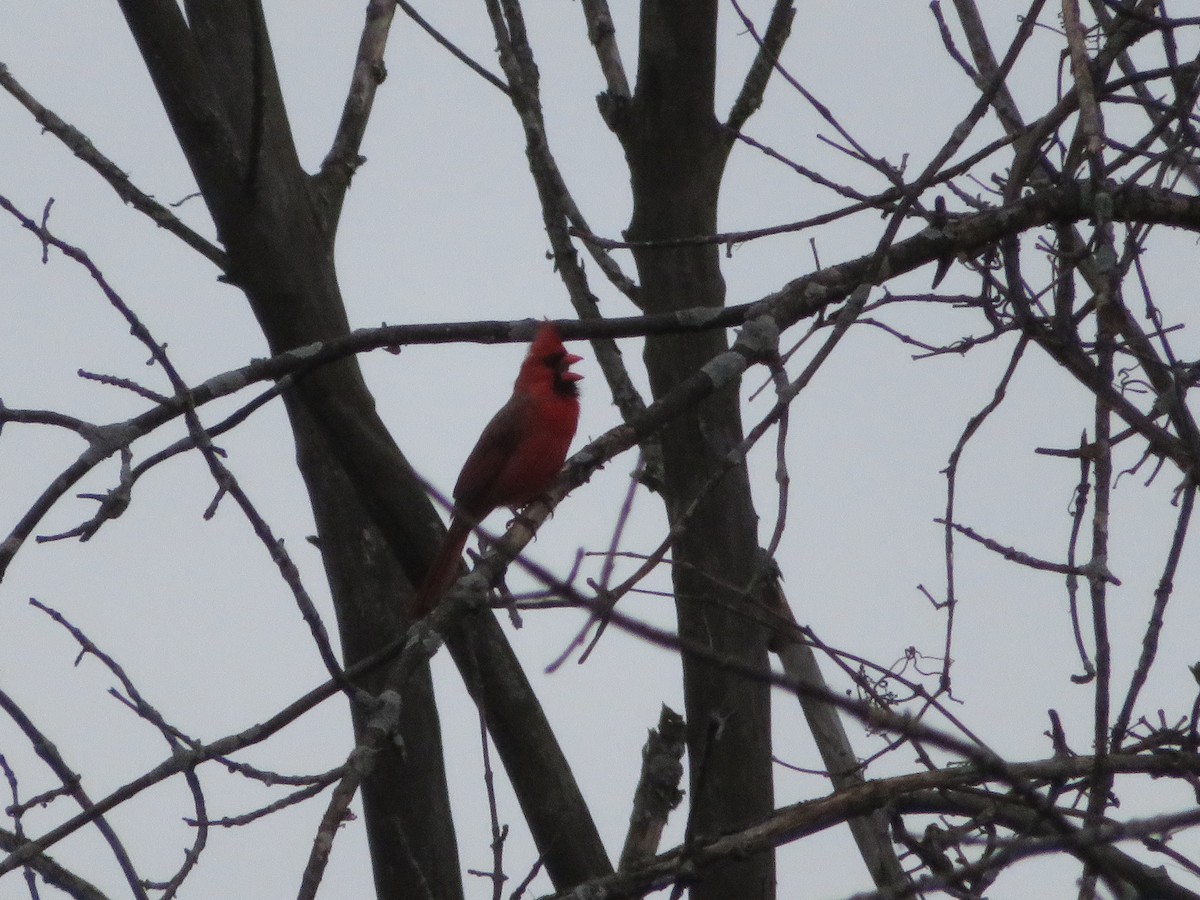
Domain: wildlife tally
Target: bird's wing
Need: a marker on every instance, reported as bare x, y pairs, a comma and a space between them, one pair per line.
495, 447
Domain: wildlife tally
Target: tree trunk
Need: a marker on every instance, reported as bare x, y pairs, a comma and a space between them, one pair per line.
676, 151
405, 795
218, 83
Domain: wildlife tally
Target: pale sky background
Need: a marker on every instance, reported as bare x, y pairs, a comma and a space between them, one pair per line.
442, 225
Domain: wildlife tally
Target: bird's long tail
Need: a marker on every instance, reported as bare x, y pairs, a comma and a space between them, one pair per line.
444, 569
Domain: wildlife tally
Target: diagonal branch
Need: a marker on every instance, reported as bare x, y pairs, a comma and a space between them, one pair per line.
79, 144
343, 159
770, 45
454, 50
1020, 557
1162, 594
53, 873
49, 754
603, 36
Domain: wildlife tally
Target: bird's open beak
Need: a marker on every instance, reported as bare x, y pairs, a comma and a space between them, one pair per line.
565, 372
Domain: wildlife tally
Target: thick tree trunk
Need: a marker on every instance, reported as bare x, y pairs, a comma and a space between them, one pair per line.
676, 151
405, 796
218, 83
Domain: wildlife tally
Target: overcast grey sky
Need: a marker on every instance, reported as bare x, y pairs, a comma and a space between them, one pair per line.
441, 224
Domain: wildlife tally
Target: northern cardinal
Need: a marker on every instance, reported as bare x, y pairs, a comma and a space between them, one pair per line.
516, 457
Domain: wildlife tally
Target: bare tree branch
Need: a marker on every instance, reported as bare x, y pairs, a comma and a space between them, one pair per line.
79, 144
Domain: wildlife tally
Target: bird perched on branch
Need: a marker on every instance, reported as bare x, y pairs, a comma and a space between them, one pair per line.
516, 457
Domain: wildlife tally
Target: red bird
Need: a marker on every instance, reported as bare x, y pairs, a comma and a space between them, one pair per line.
516, 457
